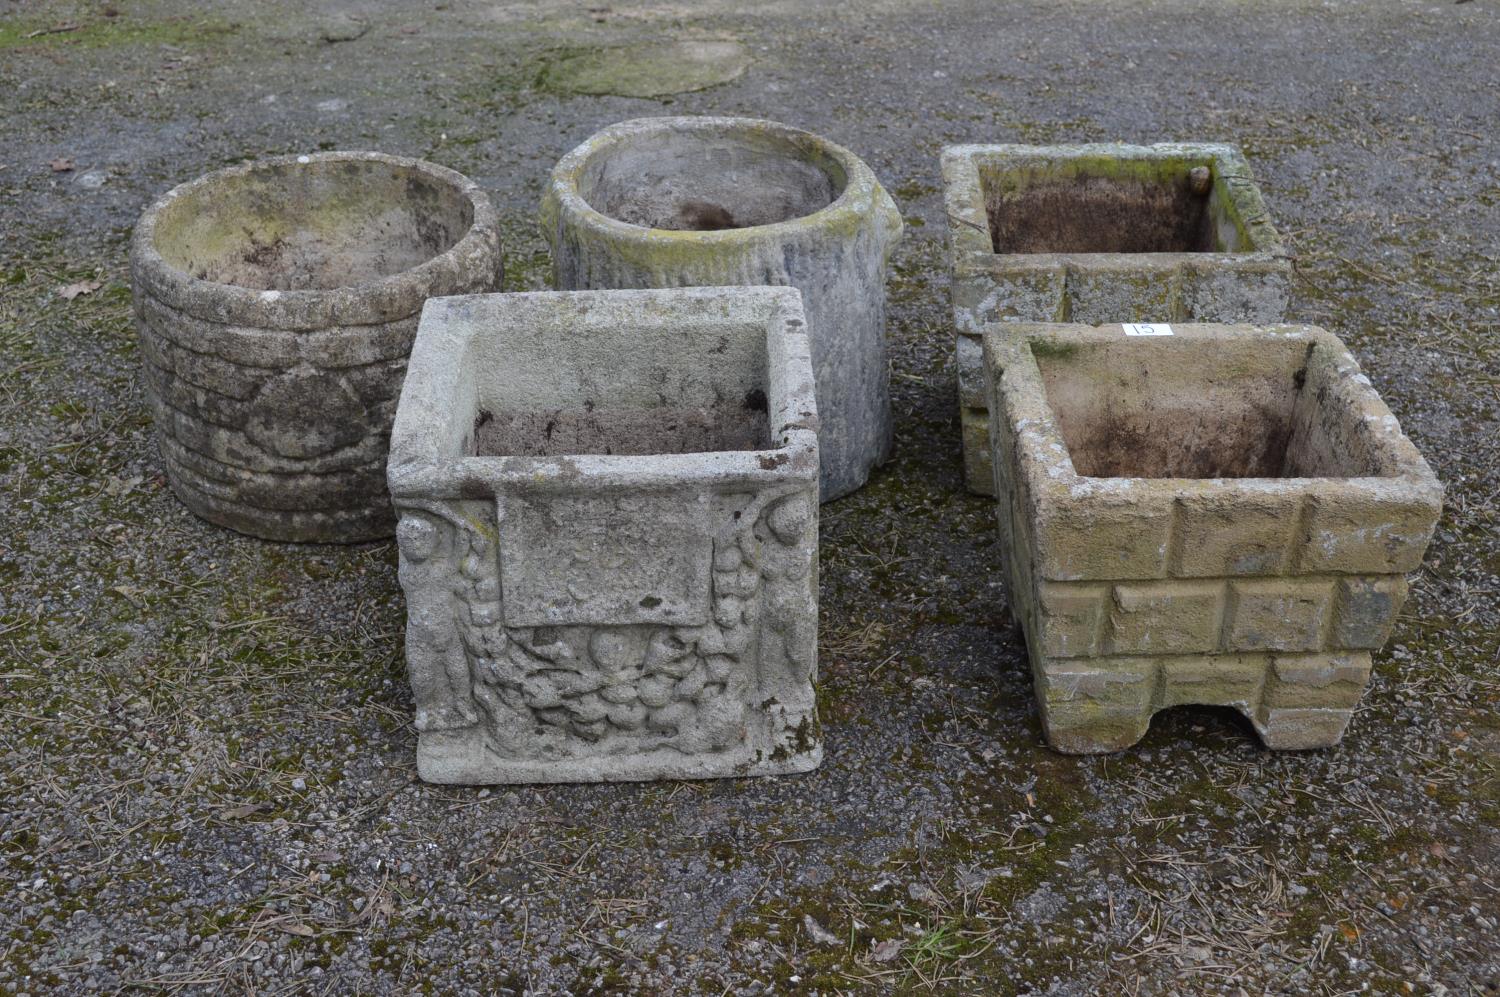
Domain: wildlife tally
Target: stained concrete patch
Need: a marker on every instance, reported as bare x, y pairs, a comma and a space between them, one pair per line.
657, 69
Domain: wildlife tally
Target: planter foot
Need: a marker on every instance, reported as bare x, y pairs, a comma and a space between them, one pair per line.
1093, 711
1301, 729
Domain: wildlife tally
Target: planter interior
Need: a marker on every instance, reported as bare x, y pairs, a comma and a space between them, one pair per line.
623, 391
1169, 408
318, 225
1103, 205
699, 181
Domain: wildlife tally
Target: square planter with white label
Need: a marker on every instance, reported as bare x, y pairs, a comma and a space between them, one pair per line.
608, 534
1101, 233
1199, 514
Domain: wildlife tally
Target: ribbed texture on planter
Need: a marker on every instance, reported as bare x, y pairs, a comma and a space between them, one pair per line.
276, 304
683, 202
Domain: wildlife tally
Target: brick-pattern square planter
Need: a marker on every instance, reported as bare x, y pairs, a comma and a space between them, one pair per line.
1101, 233
1221, 515
608, 535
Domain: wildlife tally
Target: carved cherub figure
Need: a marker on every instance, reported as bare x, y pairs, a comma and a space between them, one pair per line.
435, 656
785, 567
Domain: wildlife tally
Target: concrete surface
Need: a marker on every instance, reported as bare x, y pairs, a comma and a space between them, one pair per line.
208, 763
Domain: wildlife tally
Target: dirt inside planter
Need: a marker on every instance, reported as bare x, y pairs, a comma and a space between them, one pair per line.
312, 226
622, 431
1200, 409
696, 182
1118, 207
622, 391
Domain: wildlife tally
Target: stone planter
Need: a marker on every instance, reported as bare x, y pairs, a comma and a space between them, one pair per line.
680, 202
609, 535
1101, 233
277, 303
1215, 515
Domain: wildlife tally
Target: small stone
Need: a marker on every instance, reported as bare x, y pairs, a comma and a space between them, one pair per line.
342, 28
819, 934
922, 893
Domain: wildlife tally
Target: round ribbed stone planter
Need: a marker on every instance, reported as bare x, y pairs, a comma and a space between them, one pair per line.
682, 202
277, 303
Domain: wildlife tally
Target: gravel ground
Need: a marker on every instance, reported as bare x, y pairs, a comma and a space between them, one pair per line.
207, 757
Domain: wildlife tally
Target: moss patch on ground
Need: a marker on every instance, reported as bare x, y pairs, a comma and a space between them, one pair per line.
654, 69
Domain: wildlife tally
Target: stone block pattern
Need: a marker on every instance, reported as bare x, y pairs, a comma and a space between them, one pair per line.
1290, 650
1115, 652
1136, 595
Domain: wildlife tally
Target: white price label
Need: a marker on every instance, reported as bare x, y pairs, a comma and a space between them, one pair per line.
1147, 329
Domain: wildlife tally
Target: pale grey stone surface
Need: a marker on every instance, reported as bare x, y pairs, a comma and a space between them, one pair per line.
698, 201
608, 535
1222, 515
1094, 233
276, 304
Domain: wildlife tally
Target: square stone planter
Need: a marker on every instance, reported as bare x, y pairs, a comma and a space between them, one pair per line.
1217, 515
1101, 233
608, 535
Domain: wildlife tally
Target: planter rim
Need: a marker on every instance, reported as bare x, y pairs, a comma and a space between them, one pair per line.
414, 472
861, 191
368, 302
1042, 444
961, 187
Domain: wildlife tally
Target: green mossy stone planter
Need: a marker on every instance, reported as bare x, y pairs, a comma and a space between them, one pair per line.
1101, 233
276, 304
685, 202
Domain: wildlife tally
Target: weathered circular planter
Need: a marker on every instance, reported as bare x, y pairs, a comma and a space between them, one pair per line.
277, 303
682, 202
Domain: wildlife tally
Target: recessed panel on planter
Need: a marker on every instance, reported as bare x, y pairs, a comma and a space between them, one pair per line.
276, 304
1208, 514
606, 559
608, 535
686, 201
1101, 233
